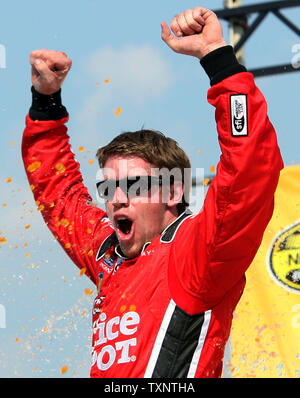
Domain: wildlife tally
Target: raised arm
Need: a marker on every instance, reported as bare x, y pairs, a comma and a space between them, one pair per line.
224, 237
53, 173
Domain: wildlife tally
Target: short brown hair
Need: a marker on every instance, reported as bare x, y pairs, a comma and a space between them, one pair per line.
155, 148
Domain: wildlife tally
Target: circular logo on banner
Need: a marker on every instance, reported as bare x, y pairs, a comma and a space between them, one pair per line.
284, 260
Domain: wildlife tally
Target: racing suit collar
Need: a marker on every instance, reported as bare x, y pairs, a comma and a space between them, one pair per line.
167, 236
119, 252
169, 233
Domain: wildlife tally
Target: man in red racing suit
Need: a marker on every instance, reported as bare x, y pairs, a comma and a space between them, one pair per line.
167, 311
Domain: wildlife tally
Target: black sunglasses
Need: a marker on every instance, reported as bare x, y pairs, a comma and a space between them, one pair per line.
131, 186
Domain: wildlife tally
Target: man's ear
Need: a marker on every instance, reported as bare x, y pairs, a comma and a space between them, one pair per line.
175, 194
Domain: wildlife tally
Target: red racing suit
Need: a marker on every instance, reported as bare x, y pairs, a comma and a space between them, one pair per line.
168, 312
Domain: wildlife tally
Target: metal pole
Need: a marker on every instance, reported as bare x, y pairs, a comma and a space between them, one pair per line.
237, 27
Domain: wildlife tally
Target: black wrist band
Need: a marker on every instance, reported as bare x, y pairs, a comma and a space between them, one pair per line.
220, 64
46, 107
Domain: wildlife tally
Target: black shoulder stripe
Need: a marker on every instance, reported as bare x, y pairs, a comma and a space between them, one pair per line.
169, 233
106, 245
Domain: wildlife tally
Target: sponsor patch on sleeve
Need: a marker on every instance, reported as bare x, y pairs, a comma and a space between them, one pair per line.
239, 115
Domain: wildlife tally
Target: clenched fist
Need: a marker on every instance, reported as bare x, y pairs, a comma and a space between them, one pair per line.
197, 32
49, 69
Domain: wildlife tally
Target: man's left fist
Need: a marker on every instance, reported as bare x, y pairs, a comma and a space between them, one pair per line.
197, 32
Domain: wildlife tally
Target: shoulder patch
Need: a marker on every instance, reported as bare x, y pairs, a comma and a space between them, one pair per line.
239, 115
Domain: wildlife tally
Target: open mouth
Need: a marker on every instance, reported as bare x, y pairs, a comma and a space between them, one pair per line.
124, 226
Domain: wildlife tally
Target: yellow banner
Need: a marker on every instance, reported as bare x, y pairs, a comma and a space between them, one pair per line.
265, 337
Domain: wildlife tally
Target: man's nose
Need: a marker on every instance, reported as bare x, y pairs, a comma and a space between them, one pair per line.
120, 198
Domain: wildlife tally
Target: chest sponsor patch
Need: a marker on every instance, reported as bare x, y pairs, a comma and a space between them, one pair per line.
109, 260
239, 115
114, 339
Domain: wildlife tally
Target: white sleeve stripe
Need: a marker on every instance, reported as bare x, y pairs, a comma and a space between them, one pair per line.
198, 351
159, 339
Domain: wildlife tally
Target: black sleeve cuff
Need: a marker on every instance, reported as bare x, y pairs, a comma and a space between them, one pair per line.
46, 107
220, 64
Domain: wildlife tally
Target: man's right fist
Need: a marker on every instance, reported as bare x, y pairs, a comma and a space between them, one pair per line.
49, 69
